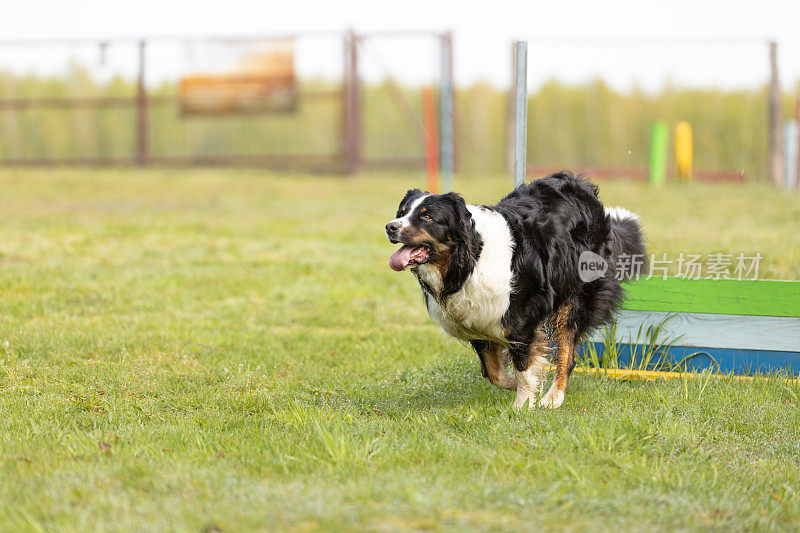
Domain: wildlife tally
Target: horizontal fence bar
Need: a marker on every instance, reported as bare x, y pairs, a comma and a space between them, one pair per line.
71, 102
95, 41
123, 101
399, 33
709, 330
167, 38
71, 161
724, 296
377, 163
310, 161
270, 160
563, 40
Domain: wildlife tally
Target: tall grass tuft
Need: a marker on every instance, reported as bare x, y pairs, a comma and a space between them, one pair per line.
649, 350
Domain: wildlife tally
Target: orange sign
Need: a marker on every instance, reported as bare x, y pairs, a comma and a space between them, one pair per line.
262, 82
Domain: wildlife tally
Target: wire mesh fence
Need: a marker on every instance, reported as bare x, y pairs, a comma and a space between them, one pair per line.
118, 102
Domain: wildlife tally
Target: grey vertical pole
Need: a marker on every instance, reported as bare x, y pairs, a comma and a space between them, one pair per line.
446, 102
351, 105
142, 145
789, 147
358, 141
796, 178
511, 107
775, 119
521, 112
346, 127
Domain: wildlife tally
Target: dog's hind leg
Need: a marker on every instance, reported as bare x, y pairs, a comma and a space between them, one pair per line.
529, 362
565, 359
493, 364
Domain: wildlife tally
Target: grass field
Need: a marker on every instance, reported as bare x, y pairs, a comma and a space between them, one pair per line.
228, 350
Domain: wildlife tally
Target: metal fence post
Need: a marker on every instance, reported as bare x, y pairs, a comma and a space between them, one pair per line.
521, 111
510, 114
446, 103
351, 106
142, 148
344, 141
775, 119
796, 178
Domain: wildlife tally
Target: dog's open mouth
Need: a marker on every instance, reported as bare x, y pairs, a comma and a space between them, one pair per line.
409, 255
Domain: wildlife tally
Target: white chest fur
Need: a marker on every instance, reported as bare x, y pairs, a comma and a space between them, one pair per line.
475, 312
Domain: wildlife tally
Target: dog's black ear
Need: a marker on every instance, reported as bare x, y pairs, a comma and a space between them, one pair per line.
465, 243
407, 200
460, 224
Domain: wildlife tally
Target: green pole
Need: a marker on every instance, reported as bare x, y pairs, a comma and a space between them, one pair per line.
659, 146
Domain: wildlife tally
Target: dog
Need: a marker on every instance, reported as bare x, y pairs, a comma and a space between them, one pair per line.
499, 276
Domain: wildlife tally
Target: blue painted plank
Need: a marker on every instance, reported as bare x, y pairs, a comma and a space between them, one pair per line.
724, 360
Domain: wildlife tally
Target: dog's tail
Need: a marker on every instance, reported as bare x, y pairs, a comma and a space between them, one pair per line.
627, 242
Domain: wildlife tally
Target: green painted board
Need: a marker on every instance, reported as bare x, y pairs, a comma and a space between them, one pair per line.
724, 296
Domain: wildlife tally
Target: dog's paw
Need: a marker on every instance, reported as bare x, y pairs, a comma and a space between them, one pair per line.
529, 387
525, 396
553, 399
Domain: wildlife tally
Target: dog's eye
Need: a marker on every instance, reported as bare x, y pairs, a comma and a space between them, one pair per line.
426, 217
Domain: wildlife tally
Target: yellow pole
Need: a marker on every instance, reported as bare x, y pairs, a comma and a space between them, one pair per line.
683, 150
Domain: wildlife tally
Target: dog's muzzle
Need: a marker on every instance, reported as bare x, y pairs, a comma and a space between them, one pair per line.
393, 231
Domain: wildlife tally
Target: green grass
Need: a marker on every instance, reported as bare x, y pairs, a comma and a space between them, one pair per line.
190, 350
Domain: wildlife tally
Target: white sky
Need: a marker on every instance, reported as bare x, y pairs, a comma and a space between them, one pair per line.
482, 36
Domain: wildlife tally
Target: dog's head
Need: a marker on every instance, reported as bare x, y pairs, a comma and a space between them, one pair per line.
436, 229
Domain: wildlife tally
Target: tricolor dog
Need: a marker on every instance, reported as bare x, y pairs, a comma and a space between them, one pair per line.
494, 276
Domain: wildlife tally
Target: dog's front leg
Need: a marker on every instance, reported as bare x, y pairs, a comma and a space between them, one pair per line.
566, 334
528, 356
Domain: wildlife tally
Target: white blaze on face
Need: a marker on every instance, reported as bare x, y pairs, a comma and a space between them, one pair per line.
405, 220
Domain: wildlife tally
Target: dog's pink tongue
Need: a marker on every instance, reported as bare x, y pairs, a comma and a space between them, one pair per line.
401, 258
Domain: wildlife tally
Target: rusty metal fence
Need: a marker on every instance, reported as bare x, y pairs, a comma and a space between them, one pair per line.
116, 103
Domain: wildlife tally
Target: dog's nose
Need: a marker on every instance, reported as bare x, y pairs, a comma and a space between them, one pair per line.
392, 226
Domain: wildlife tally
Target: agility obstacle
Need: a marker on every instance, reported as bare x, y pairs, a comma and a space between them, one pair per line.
728, 325
683, 151
659, 146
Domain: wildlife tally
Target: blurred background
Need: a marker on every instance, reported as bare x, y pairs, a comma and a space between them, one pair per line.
340, 87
